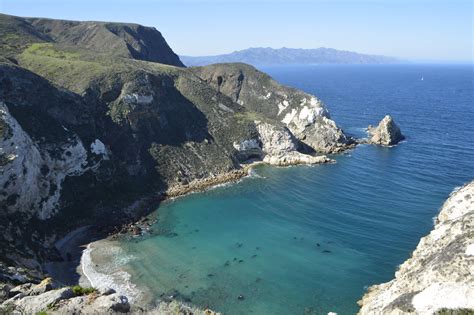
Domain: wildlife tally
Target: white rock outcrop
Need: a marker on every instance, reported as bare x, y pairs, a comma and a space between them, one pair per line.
276, 146
309, 122
31, 174
440, 273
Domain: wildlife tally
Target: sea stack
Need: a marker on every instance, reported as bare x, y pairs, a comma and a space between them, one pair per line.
386, 133
437, 279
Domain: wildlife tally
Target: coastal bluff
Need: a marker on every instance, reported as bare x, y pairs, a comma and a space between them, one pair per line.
439, 276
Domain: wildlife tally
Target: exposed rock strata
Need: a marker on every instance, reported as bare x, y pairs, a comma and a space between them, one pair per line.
386, 133
440, 273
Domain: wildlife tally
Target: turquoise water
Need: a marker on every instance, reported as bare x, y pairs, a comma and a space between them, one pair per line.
308, 240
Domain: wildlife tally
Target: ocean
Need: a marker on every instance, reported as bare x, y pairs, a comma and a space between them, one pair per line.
311, 239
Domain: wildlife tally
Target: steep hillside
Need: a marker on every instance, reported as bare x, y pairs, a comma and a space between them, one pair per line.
119, 39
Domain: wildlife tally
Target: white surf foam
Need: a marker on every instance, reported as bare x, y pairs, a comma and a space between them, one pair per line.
117, 279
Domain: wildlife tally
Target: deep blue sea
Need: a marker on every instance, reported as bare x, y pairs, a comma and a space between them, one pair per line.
309, 240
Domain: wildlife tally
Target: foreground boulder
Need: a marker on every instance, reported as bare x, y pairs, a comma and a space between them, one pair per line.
46, 297
386, 133
438, 278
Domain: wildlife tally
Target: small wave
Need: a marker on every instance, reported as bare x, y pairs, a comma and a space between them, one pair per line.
119, 280
253, 173
455, 190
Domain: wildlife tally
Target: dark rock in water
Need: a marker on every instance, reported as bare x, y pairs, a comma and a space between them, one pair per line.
257, 248
317, 244
210, 275
253, 256
240, 297
241, 261
235, 259
386, 133
227, 263
326, 251
136, 230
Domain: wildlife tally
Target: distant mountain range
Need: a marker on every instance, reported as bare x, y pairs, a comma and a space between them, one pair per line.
285, 56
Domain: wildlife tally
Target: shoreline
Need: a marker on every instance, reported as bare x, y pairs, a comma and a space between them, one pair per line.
119, 280
77, 248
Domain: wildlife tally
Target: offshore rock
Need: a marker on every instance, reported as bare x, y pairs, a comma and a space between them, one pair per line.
386, 133
439, 275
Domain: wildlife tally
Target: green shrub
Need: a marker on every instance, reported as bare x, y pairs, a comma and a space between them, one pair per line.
78, 290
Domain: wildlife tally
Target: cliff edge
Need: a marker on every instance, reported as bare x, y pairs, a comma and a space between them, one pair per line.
439, 277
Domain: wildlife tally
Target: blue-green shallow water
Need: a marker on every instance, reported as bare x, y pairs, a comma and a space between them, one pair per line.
367, 212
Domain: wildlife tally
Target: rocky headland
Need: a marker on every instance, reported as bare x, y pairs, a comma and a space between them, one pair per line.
439, 276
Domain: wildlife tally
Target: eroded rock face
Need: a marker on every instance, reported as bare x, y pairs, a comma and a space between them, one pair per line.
32, 173
276, 145
386, 133
439, 275
303, 114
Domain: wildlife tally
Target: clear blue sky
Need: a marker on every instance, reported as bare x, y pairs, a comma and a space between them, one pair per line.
410, 29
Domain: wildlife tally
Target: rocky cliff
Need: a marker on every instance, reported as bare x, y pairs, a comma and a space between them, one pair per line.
304, 115
95, 116
439, 276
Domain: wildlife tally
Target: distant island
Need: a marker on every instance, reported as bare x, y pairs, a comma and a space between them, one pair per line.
287, 56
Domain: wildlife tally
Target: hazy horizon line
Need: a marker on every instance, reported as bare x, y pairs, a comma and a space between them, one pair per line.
410, 60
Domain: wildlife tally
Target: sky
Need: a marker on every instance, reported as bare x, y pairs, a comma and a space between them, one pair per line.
438, 30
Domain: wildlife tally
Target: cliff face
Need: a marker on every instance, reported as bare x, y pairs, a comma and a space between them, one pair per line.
440, 274
89, 125
304, 115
